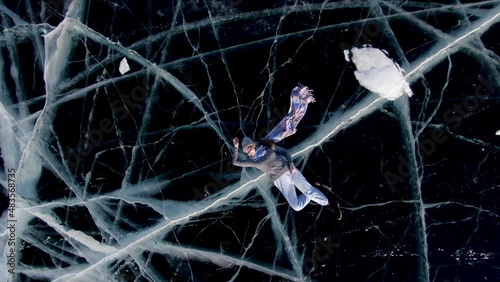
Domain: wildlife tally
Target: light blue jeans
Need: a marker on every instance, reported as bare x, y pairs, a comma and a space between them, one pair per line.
287, 183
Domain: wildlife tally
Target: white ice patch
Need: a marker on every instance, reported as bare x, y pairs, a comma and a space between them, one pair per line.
378, 73
90, 242
76, 235
124, 66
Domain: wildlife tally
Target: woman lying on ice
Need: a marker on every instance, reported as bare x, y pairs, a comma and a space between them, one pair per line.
277, 163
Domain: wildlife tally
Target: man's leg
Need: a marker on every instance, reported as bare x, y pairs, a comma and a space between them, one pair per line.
285, 185
308, 190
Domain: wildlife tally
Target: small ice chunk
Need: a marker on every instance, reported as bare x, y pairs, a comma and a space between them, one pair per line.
498, 132
378, 73
124, 66
346, 55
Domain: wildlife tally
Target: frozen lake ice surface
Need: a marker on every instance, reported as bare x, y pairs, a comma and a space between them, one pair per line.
117, 120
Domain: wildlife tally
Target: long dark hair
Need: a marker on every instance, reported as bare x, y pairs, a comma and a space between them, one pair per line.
267, 143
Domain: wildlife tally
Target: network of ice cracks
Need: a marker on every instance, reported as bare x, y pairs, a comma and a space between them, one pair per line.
28, 144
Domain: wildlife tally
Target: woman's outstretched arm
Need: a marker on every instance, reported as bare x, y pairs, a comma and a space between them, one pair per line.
236, 143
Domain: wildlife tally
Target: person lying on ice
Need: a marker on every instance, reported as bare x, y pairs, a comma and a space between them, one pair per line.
277, 163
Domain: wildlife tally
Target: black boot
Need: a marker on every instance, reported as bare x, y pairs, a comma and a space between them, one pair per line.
335, 209
333, 205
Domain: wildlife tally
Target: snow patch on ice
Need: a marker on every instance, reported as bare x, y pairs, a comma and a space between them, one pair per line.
377, 72
124, 68
76, 235
90, 242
